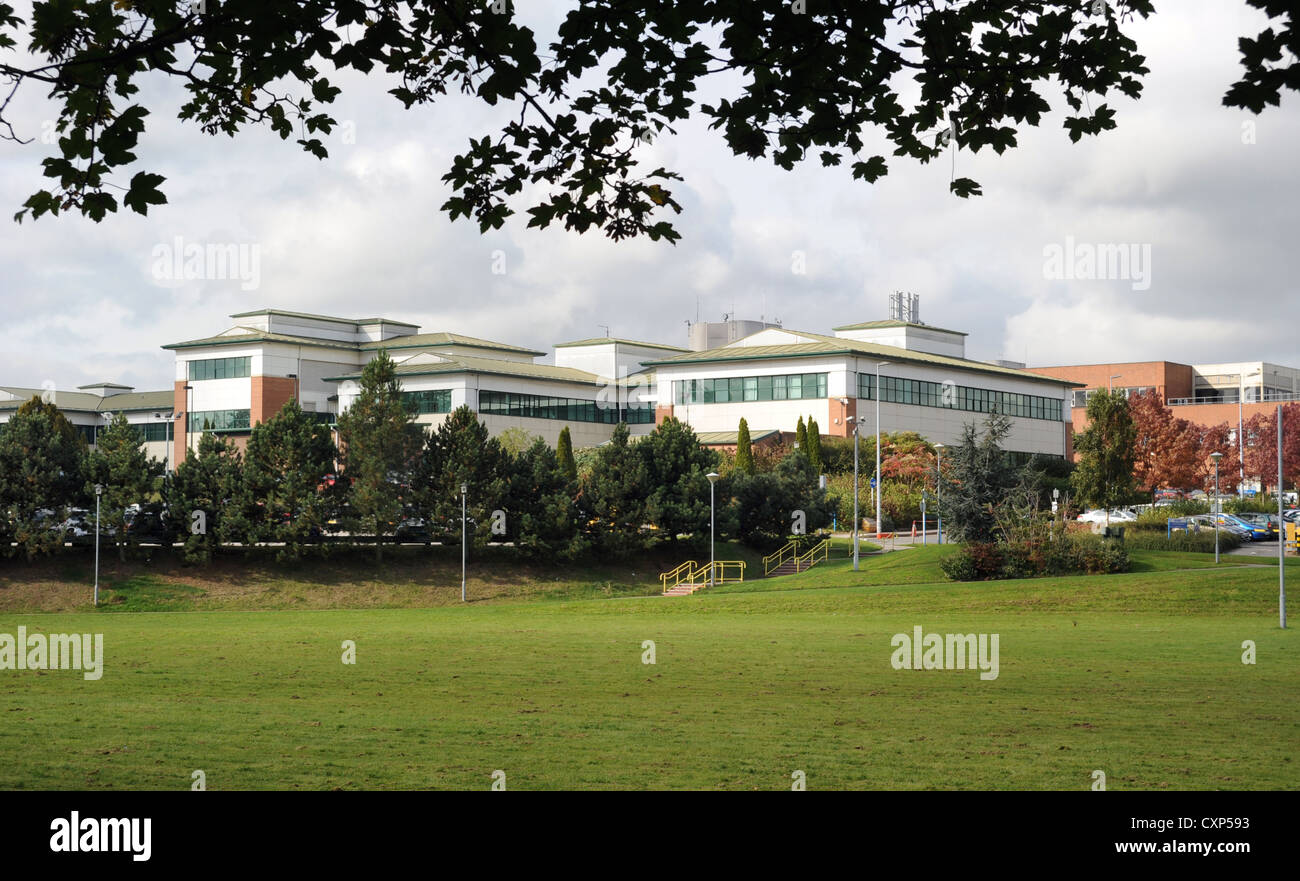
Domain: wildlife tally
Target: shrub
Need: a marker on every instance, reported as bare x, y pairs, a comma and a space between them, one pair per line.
1067, 554
1201, 542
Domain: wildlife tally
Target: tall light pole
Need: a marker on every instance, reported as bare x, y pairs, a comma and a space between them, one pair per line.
99, 491
464, 488
938, 487
880, 483
1241, 438
1111, 386
1281, 538
925, 497
856, 517
189, 416
1214, 508
713, 479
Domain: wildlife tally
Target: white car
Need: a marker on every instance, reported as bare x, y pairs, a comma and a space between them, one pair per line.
1117, 515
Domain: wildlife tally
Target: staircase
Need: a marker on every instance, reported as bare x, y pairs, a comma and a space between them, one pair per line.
684, 590
788, 560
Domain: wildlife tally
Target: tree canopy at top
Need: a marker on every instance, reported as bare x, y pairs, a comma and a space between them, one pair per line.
802, 79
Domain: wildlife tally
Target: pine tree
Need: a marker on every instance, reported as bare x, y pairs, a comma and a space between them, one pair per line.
120, 465
564, 453
814, 447
42, 463
676, 488
613, 495
283, 495
199, 495
978, 477
801, 439
461, 451
543, 514
744, 451
378, 443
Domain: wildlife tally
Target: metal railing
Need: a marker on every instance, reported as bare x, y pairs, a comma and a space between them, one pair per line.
818, 553
1231, 398
680, 574
777, 557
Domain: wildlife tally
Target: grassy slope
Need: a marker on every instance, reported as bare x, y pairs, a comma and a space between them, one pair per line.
1139, 675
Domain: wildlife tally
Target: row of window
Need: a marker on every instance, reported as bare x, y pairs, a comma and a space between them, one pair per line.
219, 420
569, 409
433, 401
950, 396
221, 368
791, 387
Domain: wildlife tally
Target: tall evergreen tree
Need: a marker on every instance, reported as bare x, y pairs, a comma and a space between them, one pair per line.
744, 449
461, 451
676, 489
42, 465
119, 463
978, 476
614, 495
801, 438
283, 497
378, 446
543, 516
1107, 447
564, 452
206, 485
814, 433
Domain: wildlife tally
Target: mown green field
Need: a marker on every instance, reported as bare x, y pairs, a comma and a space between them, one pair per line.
1139, 675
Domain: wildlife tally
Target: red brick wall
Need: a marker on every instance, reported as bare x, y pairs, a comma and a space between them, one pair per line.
662, 412
269, 394
842, 413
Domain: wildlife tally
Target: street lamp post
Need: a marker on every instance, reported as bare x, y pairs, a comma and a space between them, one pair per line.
189, 416
1281, 525
464, 488
938, 488
880, 483
1214, 508
713, 479
1056, 504
856, 516
925, 497
99, 491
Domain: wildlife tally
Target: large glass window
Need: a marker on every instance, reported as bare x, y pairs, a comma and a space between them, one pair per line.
221, 368
219, 420
429, 401
750, 388
568, 409
959, 397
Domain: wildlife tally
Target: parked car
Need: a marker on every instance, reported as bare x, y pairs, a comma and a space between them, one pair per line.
1256, 533
148, 525
1117, 515
79, 529
1266, 521
412, 529
1205, 522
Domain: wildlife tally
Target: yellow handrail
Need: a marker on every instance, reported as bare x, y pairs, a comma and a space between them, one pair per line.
776, 558
680, 574
809, 559
721, 576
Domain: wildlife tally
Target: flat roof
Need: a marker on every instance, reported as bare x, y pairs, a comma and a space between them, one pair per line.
828, 345
444, 338
260, 336
332, 318
723, 438
597, 341
894, 322
490, 366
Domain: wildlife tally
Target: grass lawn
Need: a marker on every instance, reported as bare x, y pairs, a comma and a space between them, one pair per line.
1139, 675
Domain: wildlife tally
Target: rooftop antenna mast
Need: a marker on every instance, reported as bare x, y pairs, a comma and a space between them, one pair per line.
606, 329
904, 306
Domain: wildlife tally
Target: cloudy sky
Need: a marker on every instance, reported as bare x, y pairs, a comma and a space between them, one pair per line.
361, 234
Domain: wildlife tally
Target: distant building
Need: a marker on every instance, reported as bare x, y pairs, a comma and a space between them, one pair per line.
91, 407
